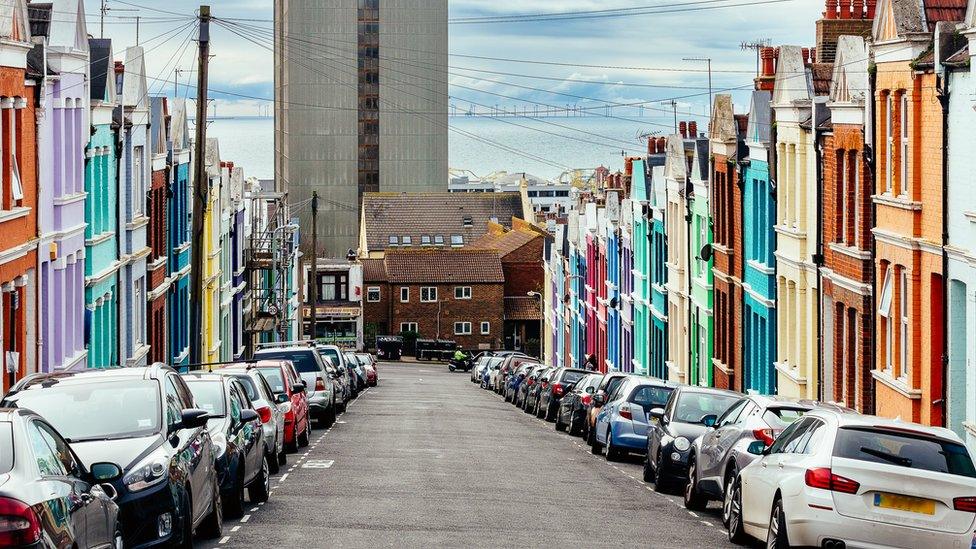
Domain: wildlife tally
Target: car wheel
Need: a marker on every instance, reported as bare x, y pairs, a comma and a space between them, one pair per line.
727, 496
694, 499
661, 483
560, 426
259, 488
303, 438
776, 537
612, 453
736, 533
213, 525
283, 457
234, 499
272, 459
595, 447
648, 472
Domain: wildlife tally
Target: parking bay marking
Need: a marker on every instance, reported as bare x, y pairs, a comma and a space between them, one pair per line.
318, 464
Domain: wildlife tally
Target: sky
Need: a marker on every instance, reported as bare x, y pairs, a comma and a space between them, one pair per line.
653, 41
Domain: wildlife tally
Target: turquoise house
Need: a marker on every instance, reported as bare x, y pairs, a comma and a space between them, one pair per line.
640, 246
101, 234
178, 236
610, 227
759, 242
702, 322
658, 243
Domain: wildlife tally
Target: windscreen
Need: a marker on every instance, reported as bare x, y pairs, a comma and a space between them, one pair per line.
781, 418
332, 355
905, 450
250, 387
651, 396
693, 406
571, 376
304, 361
273, 375
208, 394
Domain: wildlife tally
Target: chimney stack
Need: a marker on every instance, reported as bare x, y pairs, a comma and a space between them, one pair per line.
629, 165
857, 9
693, 129
871, 4
662, 145
683, 129
830, 9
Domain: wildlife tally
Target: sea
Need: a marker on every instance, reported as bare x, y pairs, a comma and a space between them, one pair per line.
545, 147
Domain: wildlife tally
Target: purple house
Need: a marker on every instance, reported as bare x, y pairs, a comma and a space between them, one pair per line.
59, 60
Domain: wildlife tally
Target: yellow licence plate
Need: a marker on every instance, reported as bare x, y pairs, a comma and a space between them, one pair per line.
905, 503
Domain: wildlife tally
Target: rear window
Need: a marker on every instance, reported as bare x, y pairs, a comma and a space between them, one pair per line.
209, 395
304, 361
273, 375
904, 449
332, 355
6, 447
570, 376
781, 418
651, 396
249, 387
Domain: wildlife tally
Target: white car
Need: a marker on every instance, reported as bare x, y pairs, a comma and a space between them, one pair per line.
834, 479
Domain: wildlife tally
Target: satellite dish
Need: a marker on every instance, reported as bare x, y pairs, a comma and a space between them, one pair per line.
613, 303
706, 252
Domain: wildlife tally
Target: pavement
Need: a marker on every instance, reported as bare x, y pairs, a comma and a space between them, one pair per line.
428, 459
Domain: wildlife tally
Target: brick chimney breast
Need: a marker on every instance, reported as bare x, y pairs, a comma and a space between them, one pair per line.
683, 129
693, 129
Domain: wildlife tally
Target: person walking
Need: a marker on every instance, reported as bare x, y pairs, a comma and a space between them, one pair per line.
591, 363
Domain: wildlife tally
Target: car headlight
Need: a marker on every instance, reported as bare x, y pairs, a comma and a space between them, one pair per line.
220, 444
681, 444
149, 472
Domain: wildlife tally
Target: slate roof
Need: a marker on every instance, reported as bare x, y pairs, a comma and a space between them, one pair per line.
507, 242
522, 308
39, 15
100, 50
432, 214
760, 117
374, 270
443, 266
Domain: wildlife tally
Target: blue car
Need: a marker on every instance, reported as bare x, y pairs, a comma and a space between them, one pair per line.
622, 423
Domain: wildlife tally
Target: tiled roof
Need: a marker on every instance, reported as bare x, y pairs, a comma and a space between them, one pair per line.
434, 214
522, 308
443, 266
507, 242
943, 10
374, 270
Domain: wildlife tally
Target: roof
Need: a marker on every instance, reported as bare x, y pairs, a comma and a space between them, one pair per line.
822, 73
760, 117
943, 10
443, 266
434, 214
373, 270
505, 242
100, 50
522, 308
15, 21
40, 18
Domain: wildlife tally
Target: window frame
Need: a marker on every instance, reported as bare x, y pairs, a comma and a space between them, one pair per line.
431, 294
462, 292
889, 145
369, 294
903, 147
903, 318
404, 294
408, 325
466, 328
485, 327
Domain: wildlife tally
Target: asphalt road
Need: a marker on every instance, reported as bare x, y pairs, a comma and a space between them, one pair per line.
429, 459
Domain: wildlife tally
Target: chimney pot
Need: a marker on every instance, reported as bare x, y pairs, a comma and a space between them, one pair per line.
857, 9
845, 9
806, 56
662, 144
693, 129
830, 9
871, 4
683, 129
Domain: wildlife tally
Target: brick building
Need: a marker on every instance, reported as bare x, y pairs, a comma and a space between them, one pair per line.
156, 271
446, 293
847, 273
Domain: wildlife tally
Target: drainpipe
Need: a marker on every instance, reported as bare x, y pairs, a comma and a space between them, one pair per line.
942, 92
818, 257
771, 174
689, 217
871, 162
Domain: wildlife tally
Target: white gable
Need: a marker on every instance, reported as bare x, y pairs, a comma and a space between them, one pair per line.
68, 32
135, 94
850, 79
13, 21
794, 82
676, 167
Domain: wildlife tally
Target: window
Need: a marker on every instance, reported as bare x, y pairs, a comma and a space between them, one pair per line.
485, 328
884, 309
841, 196
373, 294
394, 241
408, 327
853, 199
462, 328
47, 460
904, 450
903, 328
467, 221
174, 409
17, 190
333, 287
890, 117
462, 292
139, 306
138, 180
457, 240
425, 240
428, 294
406, 241
404, 294
438, 240
904, 183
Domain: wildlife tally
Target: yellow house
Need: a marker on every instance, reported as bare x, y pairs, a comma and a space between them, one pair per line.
212, 249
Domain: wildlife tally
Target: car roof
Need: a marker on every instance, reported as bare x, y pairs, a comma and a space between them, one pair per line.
287, 348
849, 419
266, 363
707, 390
94, 375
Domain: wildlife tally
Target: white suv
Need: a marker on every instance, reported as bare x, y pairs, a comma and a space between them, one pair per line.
836, 479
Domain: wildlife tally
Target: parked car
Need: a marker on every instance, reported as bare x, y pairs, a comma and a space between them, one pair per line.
836, 479
717, 456
347, 376
688, 413
289, 391
572, 407
480, 364
235, 427
514, 381
41, 478
309, 364
145, 419
563, 380
532, 396
622, 424
359, 374
530, 379
509, 365
389, 347
266, 405
607, 386
369, 363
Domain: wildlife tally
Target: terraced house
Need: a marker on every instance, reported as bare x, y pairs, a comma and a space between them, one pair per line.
101, 213
678, 264
157, 272
641, 293
178, 234
701, 260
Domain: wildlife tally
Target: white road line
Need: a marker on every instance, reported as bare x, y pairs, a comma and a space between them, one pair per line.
705, 522
283, 477
245, 518
692, 513
224, 540
253, 509
236, 528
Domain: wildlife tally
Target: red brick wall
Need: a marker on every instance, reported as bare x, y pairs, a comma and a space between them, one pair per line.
156, 328
726, 205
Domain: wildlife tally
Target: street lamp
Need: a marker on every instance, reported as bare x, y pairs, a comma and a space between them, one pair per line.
542, 318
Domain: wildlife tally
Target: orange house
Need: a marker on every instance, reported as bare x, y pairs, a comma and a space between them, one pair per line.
908, 200
18, 200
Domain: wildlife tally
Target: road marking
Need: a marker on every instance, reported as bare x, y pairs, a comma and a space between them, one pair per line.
236, 528
224, 540
692, 513
318, 464
253, 509
339, 422
706, 523
245, 518
283, 477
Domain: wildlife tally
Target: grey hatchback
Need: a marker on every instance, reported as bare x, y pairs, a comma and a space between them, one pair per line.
720, 453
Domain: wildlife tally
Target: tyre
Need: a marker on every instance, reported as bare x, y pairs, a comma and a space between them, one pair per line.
613, 454
283, 457
727, 496
648, 472
273, 465
213, 524
736, 533
234, 498
186, 523
694, 499
559, 426
595, 447
302, 439
776, 537
258, 490
661, 482
590, 435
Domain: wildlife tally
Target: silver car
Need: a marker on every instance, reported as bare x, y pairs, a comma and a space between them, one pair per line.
268, 408
722, 451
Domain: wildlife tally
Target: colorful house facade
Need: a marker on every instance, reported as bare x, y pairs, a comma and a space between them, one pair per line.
678, 250
178, 234
63, 122
641, 293
157, 270
700, 367
657, 268
212, 252
101, 213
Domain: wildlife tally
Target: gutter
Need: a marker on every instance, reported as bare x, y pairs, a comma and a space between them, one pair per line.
942, 92
818, 257
870, 161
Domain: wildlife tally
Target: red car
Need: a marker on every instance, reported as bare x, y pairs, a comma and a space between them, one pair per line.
289, 389
369, 365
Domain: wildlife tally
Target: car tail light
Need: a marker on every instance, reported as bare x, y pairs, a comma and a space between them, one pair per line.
967, 504
530, 382
586, 400
19, 524
625, 412
265, 413
765, 435
557, 389
825, 479
319, 384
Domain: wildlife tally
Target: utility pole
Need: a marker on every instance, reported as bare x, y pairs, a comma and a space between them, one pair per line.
313, 286
674, 107
104, 10
200, 191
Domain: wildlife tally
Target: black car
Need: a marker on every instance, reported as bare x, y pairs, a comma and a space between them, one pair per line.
531, 404
572, 407
235, 427
145, 420
41, 478
561, 382
690, 411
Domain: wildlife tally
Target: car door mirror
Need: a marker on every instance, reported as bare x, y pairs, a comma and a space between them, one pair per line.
247, 416
105, 471
298, 387
709, 420
281, 398
656, 413
599, 399
193, 418
758, 448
